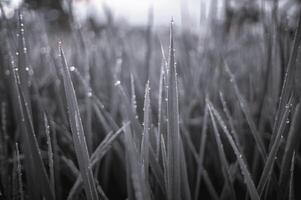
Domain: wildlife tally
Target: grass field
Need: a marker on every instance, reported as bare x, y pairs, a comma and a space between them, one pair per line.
124, 112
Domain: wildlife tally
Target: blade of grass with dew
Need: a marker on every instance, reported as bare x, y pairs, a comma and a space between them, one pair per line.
288, 79
136, 177
246, 174
78, 132
269, 164
101, 118
104, 146
133, 94
16, 96
97, 155
243, 104
85, 79
110, 120
292, 144
221, 152
230, 119
129, 114
173, 132
145, 136
105, 118
34, 163
161, 111
22, 60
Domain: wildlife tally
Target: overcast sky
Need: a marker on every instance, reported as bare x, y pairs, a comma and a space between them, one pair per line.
136, 11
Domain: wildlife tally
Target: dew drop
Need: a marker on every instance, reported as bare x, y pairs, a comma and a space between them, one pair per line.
17, 53
27, 68
117, 83
72, 68
89, 94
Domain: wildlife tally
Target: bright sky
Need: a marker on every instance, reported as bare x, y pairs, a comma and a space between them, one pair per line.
136, 11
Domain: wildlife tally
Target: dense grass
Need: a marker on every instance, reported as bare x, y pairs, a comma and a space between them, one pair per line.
105, 114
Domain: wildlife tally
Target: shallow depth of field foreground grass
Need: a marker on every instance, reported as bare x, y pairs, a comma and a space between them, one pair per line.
124, 112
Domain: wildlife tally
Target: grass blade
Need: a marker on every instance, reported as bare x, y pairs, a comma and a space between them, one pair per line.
243, 104
96, 157
173, 132
78, 132
222, 156
34, 163
246, 174
292, 144
288, 82
145, 145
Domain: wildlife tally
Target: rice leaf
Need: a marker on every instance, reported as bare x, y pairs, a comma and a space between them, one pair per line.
78, 132
292, 145
243, 104
269, 164
246, 174
221, 152
34, 163
133, 95
145, 145
230, 120
173, 132
288, 82
96, 157
137, 179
